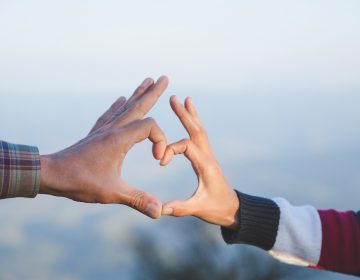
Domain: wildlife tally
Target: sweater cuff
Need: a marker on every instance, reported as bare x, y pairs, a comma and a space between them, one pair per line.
19, 170
258, 221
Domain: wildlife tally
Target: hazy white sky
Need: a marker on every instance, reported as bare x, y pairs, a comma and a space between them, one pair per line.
103, 46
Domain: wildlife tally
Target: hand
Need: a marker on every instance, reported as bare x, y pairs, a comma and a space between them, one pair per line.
90, 170
214, 200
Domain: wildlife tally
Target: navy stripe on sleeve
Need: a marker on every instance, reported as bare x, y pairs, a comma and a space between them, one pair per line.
258, 222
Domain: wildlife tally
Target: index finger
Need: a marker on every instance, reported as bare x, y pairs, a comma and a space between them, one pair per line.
142, 106
108, 115
190, 122
139, 130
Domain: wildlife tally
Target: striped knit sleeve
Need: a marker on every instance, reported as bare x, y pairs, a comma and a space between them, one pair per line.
299, 235
19, 170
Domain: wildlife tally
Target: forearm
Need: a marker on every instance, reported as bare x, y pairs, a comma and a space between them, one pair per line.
19, 170
299, 235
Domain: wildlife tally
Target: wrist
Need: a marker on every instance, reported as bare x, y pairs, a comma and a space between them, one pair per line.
231, 218
48, 175
258, 222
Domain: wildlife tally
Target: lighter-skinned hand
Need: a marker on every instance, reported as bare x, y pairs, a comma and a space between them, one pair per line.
214, 201
90, 170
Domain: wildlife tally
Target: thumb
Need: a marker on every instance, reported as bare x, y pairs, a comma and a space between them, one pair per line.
141, 201
178, 208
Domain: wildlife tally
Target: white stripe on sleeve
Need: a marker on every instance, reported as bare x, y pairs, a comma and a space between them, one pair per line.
299, 236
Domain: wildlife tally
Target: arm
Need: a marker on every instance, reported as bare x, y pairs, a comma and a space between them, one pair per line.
299, 235
90, 170
296, 235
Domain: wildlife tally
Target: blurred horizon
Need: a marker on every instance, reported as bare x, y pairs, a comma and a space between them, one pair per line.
303, 149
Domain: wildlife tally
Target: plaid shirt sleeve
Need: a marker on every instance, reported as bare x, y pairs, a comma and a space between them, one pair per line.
19, 170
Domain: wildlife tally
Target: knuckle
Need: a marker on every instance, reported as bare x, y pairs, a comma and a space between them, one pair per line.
113, 107
186, 141
110, 137
137, 200
177, 212
110, 197
103, 197
119, 111
157, 93
181, 114
138, 107
106, 199
150, 120
101, 119
199, 131
140, 89
126, 106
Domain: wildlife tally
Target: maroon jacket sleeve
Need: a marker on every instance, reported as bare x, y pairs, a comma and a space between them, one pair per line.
340, 249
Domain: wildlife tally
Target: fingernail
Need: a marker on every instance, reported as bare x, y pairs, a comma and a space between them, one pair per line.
146, 82
121, 98
152, 210
167, 211
161, 79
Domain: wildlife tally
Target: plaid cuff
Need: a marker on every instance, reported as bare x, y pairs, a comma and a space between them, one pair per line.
19, 170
